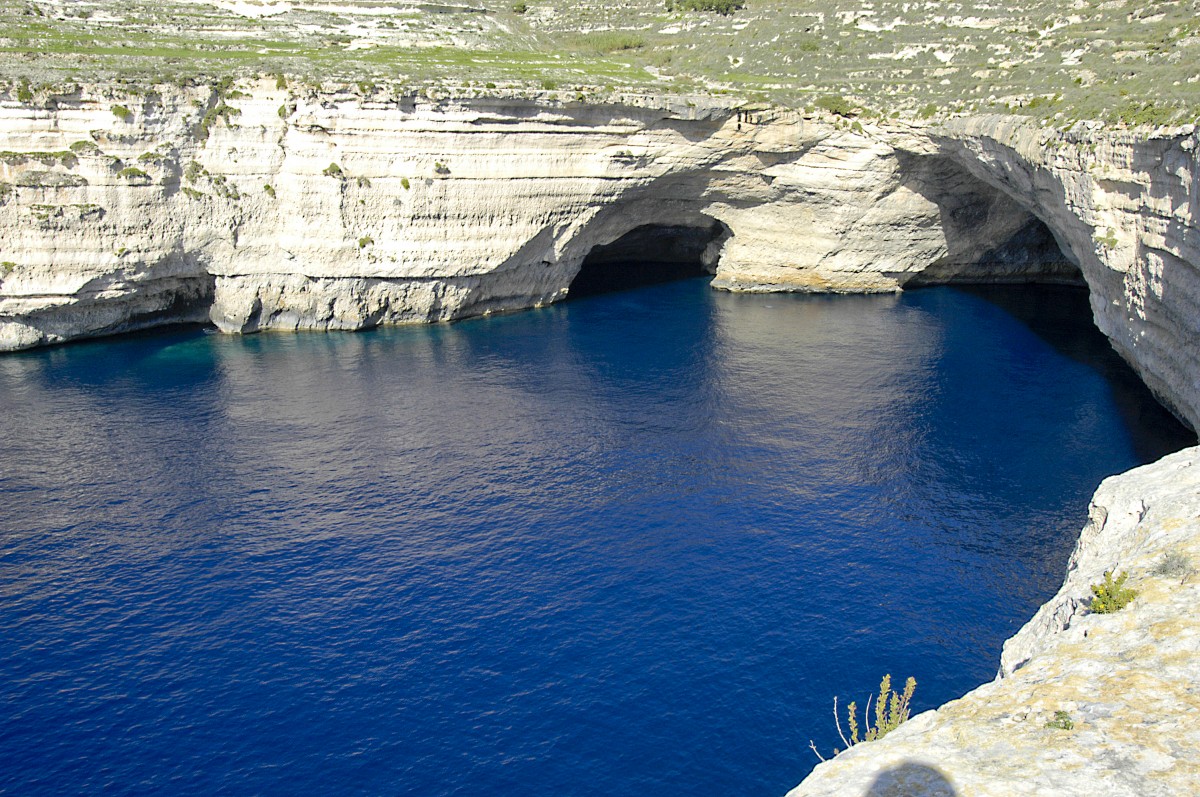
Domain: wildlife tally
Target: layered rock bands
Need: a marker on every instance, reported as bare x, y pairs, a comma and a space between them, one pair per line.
267, 208
270, 208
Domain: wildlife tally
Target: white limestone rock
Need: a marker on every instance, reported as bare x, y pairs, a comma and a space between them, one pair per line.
403, 209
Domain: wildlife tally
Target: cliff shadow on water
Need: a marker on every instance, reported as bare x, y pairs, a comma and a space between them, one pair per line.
1061, 317
648, 255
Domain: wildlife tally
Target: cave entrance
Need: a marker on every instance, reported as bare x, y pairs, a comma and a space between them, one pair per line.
1030, 254
650, 254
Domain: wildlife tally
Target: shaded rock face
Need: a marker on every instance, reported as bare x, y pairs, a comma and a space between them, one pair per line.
649, 254
1125, 208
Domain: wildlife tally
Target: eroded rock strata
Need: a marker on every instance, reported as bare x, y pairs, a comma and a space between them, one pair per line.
272, 208
267, 208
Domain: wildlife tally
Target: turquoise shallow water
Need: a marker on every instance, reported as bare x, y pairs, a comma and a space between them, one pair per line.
622, 545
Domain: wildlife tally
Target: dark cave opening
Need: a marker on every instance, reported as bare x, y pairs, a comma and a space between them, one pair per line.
647, 255
1030, 255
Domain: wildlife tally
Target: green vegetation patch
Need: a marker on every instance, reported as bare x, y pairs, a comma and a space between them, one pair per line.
1062, 721
1116, 61
724, 7
1111, 595
891, 710
836, 104
65, 158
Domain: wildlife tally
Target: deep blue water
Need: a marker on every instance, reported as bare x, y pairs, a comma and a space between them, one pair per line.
620, 546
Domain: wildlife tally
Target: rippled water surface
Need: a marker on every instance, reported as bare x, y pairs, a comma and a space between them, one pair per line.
622, 546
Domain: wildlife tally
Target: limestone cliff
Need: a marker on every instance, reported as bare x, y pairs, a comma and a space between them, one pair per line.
266, 208
269, 208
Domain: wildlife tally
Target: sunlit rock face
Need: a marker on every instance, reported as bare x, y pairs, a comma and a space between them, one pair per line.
269, 208
278, 209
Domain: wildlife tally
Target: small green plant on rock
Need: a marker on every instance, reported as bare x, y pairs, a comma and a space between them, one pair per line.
519, 8
122, 113
1062, 721
365, 241
269, 190
194, 171
1109, 240
891, 711
1111, 595
836, 104
333, 170
405, 183
212, 116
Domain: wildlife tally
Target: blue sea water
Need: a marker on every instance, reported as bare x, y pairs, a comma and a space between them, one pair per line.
621, 546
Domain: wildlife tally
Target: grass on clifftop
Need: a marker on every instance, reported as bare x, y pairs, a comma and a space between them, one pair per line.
1126, 61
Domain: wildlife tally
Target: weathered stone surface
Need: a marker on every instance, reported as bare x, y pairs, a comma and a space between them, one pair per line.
399, 209
332, 211
1130, 680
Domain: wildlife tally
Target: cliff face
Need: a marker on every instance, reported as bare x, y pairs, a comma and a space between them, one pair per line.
264, 208
261, 208
1126, 208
